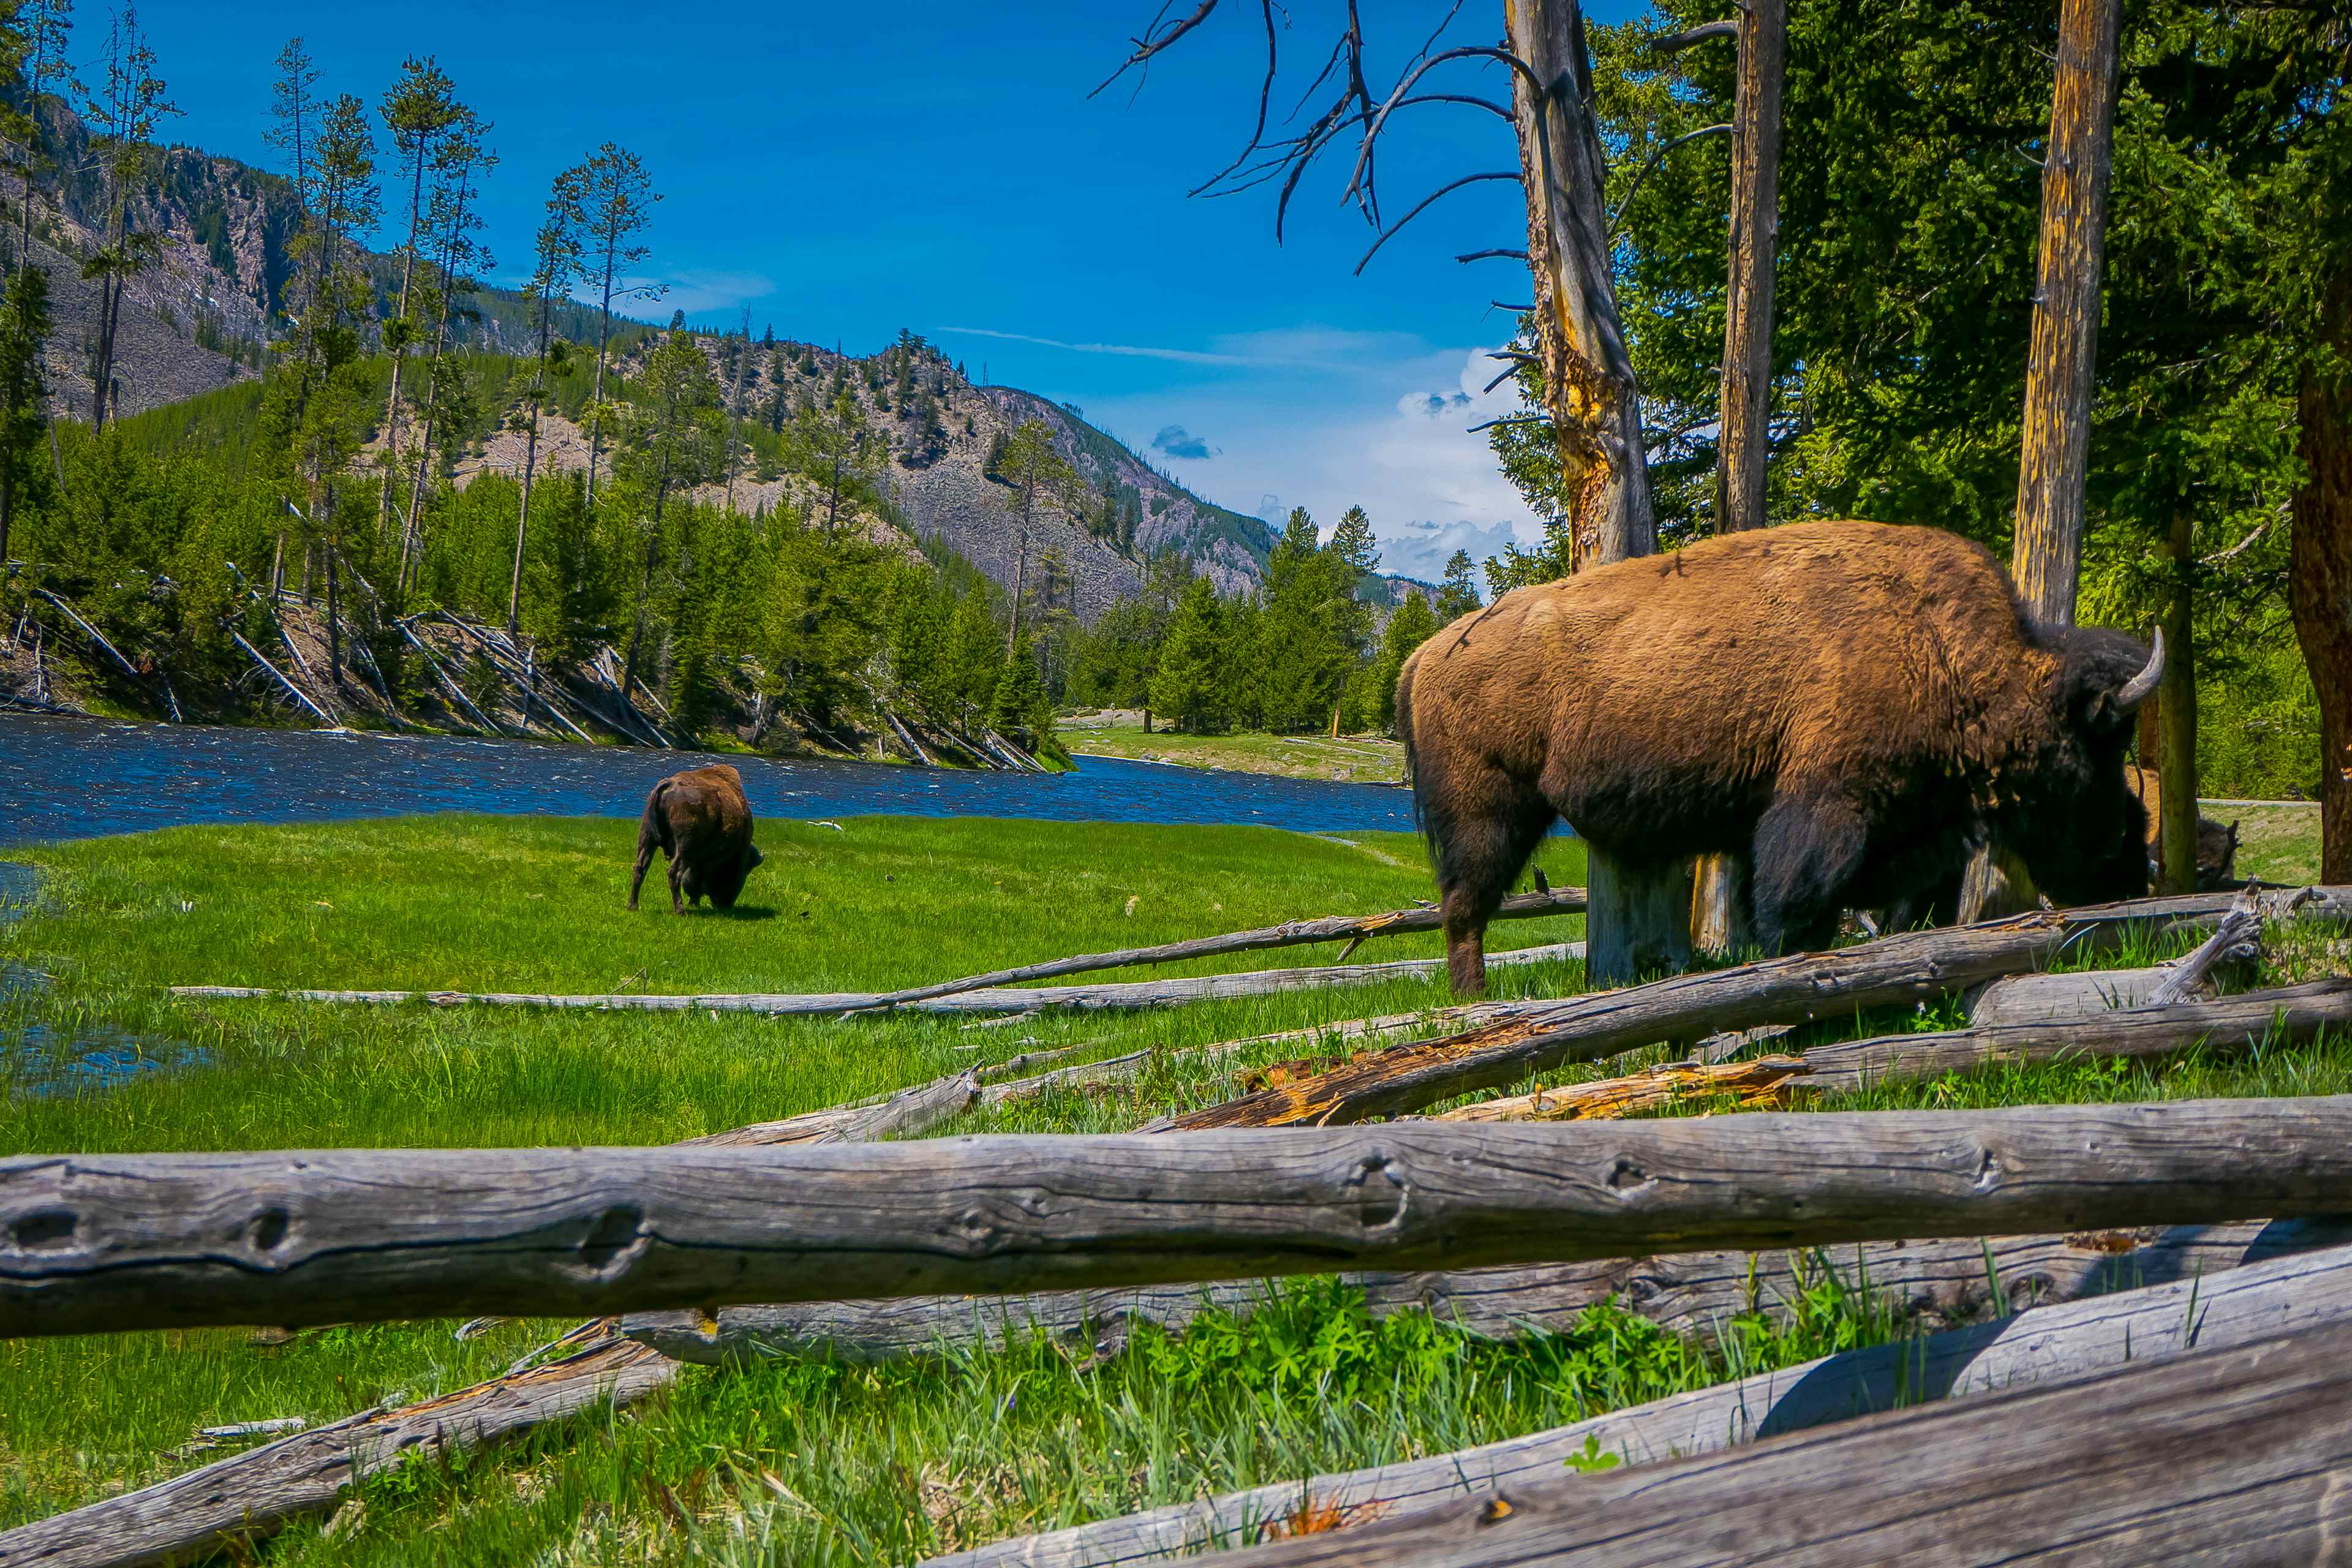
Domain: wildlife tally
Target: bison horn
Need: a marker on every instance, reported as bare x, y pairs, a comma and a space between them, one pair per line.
2142, 686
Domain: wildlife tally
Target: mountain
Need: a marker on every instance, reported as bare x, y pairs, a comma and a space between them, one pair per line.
198, 320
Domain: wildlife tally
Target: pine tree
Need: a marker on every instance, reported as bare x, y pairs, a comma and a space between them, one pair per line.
1189, 689
24, 417
1457, 595
1413, 624
616, 203
458, 163
1031, 464
556, 264
123, 114
1019, 709
41, 29
671, 443
419, 108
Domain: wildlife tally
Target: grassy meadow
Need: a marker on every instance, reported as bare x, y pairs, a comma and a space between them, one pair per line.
1351, 759
804, 1460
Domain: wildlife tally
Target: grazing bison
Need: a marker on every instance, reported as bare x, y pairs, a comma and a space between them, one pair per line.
1854, 705
2217, 845
701, 820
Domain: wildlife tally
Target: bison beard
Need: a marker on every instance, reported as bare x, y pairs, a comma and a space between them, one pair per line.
1855, 706
701, 821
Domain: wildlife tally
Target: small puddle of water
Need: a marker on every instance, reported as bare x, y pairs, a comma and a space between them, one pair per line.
42, 1062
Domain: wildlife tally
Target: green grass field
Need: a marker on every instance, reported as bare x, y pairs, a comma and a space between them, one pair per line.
801, 1461
1351, 759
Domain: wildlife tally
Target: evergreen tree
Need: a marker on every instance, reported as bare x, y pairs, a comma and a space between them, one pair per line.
1033, 466
123, 113
670, 442
1020, 709
1189, 689
616, 203
1458, 594
24, 417
1413, 624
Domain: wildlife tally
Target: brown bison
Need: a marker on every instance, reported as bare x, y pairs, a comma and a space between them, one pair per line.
2217, 845
701, 821
1854, 706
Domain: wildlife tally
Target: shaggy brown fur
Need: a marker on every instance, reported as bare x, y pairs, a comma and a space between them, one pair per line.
1854, 705
701, 821
2217, 845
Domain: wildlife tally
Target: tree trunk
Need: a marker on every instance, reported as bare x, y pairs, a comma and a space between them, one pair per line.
2320, 580
596, 398
1589, 386
334, 625
2048, 558
1020, 569
2176, 791
522, 524
1747, 398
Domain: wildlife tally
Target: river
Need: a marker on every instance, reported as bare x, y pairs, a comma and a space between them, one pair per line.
78, 778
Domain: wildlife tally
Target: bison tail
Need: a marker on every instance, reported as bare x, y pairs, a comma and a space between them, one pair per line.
650, 825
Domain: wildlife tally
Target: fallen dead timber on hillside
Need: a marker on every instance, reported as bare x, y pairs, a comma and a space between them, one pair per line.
1914, 966
1934, 1284
1290, 934
790, 1004
110, 1243
2049, 1347
255, 1492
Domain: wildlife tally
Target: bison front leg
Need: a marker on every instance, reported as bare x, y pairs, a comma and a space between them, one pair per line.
1808, 851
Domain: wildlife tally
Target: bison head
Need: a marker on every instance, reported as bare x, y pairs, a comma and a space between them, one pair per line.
2082, 831
725, 882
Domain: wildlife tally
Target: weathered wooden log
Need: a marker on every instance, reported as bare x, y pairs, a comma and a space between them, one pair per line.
1912, 966
103, 1243
254, 1492
2289, 1014
1640, 921
2050, 1347
1932, 1284
97, 639
1290, 934
2241, 1455
788, 1004
441, 678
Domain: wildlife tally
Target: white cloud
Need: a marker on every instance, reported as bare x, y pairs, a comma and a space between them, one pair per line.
1323, 349
1396, 442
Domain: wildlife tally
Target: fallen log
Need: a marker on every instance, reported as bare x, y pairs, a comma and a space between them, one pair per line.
788, 1005
1912, 967
108, 1243
2048, 1348
255, 1492
518, 676
1289, 933
2289, 1014
442, 680
2241, 1455
277, 675
1932, 1284
98, 639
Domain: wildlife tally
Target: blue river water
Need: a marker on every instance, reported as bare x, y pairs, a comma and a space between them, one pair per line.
80, 778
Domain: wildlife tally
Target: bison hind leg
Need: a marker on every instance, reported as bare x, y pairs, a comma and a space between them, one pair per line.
1479, 856
1808, 850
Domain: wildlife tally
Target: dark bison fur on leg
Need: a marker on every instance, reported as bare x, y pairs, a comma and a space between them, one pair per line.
701, 821
1854, 706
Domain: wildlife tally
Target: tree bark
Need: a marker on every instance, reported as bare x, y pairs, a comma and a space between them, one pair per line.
1588, 385
2062, 355
1747, 398
2176, 791
116, 1243
2320, 581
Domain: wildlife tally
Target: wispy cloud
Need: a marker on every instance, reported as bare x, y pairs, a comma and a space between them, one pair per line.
1178, 442
1293, 348
692, 290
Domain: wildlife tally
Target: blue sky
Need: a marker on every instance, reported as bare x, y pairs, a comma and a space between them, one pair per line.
845, 171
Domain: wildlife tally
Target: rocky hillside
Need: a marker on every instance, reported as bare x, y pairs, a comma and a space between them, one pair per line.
198, 319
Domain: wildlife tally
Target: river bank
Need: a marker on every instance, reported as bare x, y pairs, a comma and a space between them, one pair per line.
1349, 759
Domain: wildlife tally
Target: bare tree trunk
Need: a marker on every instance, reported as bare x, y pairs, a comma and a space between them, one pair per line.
334, 625
1020, 567
1747, 398
735, 407
2048, 559
399, 357
1589, 386
2320, 580
596, 397
2176, 791
522, 523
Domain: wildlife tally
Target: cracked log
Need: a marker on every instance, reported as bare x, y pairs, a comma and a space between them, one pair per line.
1914, 966
2046, 1347
103, 1242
